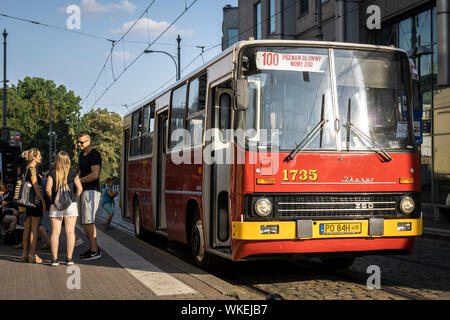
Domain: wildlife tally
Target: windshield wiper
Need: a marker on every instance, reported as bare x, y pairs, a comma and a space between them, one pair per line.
351, 127
305, 142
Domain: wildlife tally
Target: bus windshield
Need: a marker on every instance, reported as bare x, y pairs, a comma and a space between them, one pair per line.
290, 96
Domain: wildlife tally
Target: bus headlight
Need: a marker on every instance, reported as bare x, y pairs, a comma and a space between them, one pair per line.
263, 207
407, 205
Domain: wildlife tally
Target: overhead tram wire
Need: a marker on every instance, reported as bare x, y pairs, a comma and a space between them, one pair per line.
73, 31
239, 34
142, 53
111, 51
167, 82
90, 34
160, 87
55, 27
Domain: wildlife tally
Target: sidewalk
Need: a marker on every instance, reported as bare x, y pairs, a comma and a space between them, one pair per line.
129, 269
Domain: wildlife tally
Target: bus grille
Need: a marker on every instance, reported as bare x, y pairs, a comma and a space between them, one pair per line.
339, 206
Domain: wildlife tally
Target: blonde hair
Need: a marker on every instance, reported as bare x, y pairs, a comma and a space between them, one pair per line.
30, 155
62, 167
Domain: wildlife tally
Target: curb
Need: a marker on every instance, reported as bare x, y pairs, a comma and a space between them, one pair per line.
439, 237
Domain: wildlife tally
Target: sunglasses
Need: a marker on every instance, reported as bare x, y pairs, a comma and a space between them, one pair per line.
82, 142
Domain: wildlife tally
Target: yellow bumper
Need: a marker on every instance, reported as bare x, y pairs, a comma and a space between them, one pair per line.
287, 230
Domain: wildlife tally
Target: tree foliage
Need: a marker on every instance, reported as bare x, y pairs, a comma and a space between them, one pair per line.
28, 111
105, 129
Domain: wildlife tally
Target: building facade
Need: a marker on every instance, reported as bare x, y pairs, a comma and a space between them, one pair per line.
267, 19
420, 27
230, 26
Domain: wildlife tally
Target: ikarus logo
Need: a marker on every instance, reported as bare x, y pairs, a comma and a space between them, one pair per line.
357, 180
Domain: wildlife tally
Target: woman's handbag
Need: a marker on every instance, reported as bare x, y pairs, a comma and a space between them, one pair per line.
24, 194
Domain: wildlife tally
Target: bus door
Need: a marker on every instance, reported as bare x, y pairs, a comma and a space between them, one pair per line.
220, 169
162, 123
124, 177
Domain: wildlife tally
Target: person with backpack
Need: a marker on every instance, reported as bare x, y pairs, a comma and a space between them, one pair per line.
61, 184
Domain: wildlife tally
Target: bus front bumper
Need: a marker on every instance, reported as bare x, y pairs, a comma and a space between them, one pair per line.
326, 229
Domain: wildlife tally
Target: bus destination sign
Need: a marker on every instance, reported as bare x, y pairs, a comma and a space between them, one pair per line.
290, 61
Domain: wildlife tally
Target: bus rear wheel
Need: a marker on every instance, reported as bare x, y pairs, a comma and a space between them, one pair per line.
197, 243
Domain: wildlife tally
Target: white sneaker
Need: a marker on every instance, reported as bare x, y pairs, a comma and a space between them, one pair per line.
79, 242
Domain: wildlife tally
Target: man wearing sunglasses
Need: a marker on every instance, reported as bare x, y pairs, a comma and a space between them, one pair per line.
90, 164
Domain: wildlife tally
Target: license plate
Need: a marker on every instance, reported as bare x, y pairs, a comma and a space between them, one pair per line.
340, 228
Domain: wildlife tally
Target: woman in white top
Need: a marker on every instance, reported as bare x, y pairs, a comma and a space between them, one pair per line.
61, 176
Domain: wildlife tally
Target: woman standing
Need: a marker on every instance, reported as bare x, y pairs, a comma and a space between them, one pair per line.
34, 215
63, 176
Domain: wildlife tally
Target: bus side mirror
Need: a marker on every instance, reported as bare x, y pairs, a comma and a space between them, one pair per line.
241, 94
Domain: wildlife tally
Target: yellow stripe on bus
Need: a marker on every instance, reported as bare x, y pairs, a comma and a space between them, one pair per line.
287, 230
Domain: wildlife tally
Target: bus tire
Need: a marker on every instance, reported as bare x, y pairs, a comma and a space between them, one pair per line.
338, 262
138, 232
196, 242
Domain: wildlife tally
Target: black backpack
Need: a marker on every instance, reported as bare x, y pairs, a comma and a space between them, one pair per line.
13, 237
63, 198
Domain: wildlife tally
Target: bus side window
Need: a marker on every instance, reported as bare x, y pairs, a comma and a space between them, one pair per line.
152, 124
147, 129
224, 113
177, 114
196, 109
136, 131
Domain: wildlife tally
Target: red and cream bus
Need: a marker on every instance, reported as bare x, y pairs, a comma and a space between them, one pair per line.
279, 147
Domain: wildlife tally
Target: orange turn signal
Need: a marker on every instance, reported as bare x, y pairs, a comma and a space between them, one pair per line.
266, 181
407, 180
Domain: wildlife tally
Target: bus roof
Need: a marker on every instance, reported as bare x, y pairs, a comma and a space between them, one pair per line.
241, 44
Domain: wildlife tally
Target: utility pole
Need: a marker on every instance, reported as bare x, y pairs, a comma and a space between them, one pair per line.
340, 9
443, 42
50, 149
78, 134
4, 128
55, 137
179, 58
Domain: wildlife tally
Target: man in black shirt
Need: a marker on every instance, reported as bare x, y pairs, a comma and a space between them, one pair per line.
90, 164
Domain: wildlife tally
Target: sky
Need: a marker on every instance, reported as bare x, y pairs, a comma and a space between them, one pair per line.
80, 62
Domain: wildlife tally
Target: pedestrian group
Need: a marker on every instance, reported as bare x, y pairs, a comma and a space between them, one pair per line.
62, 195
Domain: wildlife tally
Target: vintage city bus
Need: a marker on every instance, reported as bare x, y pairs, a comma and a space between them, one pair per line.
279, 147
